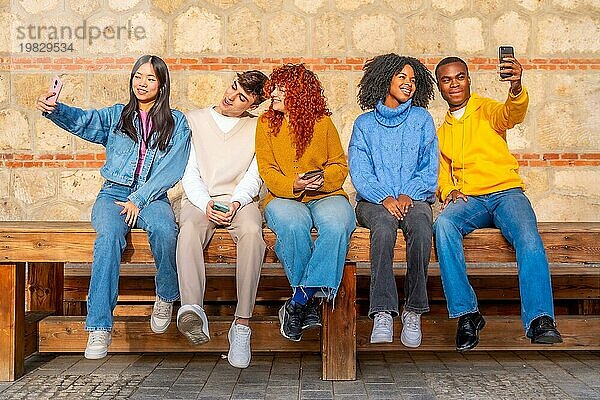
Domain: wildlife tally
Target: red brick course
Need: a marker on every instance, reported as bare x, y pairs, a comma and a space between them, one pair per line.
96, 160
229, 63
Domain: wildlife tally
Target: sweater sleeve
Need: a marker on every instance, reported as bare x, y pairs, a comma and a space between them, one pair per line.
424, 182
335, 170
512, 112
268, 168
194, 186
362, 172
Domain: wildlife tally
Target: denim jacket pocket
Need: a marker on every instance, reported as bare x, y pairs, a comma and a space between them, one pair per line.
119, 144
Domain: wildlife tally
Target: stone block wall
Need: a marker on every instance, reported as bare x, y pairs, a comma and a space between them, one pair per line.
48, 174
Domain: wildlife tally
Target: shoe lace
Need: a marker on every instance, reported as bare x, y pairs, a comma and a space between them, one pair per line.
97, 338
383, 322
411, 320
162, 309
242, 336
296, 314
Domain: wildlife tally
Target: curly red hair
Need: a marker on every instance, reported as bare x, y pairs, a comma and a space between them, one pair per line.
304, 102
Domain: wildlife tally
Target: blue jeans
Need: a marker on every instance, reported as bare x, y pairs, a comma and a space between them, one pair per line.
158, 220
510, 211
320, 263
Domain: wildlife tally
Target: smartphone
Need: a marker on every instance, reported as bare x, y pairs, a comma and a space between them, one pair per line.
312, 174
55, 88
503, 52
220, 207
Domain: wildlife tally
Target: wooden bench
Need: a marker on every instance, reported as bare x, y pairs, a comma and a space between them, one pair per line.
52, 288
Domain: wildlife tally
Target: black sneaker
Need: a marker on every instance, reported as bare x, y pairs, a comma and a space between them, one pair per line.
312, 314
290, 317
543, 331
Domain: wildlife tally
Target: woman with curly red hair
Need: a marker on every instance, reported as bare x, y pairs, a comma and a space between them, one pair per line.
301, 160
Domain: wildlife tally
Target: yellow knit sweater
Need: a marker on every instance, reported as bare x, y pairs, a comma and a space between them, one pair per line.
474, 154
278, 166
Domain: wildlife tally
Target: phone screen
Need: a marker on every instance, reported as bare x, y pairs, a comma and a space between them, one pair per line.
503, 52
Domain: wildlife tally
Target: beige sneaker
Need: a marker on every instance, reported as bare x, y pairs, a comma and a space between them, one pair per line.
97, 345
161, 316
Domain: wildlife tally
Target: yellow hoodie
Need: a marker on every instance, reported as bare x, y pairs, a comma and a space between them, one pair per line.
474, 155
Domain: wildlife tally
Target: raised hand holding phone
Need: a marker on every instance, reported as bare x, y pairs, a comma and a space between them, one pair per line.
47, 102
510, 69
55, 88
504, 53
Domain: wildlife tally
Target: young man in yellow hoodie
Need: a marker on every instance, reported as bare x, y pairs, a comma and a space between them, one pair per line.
479, 187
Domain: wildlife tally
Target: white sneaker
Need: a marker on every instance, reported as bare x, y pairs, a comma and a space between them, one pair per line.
411, 329
97, 345
383, 328
161, 316
239, 345
193, 324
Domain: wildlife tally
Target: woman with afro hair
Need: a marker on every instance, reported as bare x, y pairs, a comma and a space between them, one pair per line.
301, 160
393, 156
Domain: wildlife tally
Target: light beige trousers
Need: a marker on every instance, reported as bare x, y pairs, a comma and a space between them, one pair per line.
195, 231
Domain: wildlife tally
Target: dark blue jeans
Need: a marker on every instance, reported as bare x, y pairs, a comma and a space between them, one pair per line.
511, 212
418, 233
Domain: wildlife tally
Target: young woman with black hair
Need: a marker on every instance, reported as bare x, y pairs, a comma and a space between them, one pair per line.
393, 157
147, 146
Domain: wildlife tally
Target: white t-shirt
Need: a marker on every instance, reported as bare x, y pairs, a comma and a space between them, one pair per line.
459, 113
224, 123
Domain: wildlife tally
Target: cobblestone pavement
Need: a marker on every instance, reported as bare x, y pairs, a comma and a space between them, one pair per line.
399, 375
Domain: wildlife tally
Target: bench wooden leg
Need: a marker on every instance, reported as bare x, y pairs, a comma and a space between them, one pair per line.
44, 296
338, 335
45, 285
12, 321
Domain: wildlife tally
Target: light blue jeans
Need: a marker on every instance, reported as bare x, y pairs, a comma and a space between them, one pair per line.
511, 212
158, 220
318, 264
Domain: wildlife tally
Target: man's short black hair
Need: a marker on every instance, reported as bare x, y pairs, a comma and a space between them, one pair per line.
253, 82
450, 60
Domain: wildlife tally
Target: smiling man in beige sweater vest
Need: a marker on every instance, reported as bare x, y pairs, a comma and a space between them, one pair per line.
221, 186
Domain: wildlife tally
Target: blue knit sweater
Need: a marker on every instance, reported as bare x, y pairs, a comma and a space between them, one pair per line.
394, 151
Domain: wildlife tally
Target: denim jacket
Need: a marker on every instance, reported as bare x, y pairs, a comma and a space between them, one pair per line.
161, 169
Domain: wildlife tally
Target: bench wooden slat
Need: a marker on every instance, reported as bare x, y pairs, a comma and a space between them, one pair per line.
66, 334
362, 269
500, 333
133, 334
223, 288
62, 242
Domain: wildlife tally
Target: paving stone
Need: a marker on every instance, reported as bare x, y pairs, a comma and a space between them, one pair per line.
401, 375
